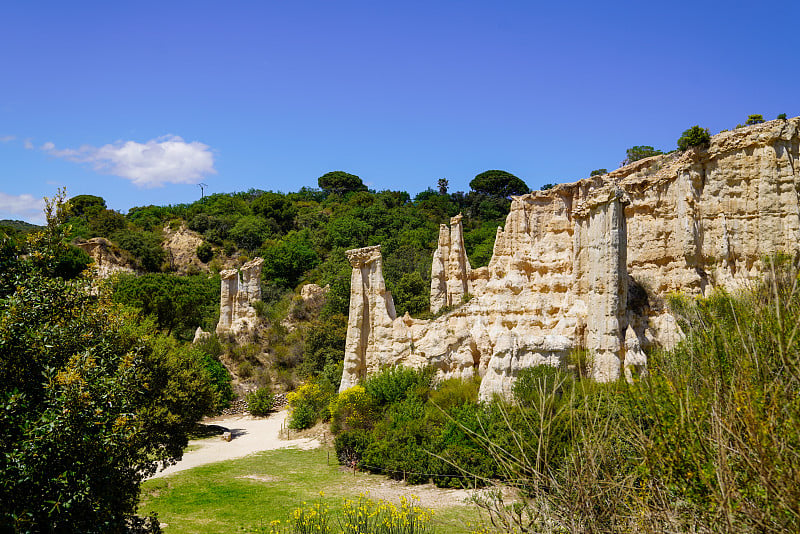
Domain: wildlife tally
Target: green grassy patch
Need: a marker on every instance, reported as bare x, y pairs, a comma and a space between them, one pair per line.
226, 497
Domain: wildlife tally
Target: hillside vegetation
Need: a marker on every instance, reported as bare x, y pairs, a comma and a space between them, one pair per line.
302, 237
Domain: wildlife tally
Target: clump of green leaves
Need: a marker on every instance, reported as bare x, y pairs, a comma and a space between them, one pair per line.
754, 119
694, 136
92, 399
635, 153
260, 402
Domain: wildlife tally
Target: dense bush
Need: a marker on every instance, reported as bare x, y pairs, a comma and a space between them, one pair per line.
204, 252
179, 304
309, 404
694, 136
638, 152
260, 402
754, 119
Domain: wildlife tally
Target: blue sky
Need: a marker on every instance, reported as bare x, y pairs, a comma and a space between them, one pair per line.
139, 102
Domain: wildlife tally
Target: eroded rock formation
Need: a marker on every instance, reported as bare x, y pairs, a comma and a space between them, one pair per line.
181, 247
240, 289
108, 258
562, 266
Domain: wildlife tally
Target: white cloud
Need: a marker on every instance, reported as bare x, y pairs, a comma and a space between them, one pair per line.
165, 160
7, 138
25, 207
28, 144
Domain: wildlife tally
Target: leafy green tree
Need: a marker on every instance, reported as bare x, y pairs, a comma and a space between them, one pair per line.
179, 304
598, 172
287, 260
340, 182
104, 223
204, 252
443, 184
145, 247
71, 263
781, 117
412, 294
88, 205
249, 232
91, 401
754, 119
694, 136
635, 153
276, 207
324, 344
498, 183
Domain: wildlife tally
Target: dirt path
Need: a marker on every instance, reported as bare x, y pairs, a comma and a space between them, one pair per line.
249, 435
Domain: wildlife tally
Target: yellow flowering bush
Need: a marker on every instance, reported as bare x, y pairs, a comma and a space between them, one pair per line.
359, 516
308, 404
352, 409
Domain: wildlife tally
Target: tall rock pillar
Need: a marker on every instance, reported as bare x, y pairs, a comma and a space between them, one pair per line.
450, 269
227, 299
239, 290
601, 265
370, 318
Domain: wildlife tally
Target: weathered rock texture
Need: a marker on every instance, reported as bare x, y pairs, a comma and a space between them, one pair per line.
240, 289
108, 258
181, 248
569, 266
305, 306
450, 271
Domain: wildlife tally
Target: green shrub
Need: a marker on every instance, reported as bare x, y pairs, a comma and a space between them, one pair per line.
309, 404
204, 252
352, 409
244, 369
219, 378
542, 383
351, 444
754, 119
598, 172
638, 152
396, 383
781, 117
694, 136
260, 402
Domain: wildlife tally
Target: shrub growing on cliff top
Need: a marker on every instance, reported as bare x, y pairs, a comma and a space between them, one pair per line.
635, 153
754, 119
694, 136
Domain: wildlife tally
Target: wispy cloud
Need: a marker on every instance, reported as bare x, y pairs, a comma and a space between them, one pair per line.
7, 138
25, 207
28, 144
165, 160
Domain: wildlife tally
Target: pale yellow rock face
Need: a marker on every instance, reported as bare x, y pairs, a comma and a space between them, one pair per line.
106, 257
562, 266
181, 247
239, 290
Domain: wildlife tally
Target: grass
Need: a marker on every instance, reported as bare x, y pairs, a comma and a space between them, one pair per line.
229, 496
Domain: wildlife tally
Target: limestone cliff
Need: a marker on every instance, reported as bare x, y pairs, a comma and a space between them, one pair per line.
563, 264
239, 290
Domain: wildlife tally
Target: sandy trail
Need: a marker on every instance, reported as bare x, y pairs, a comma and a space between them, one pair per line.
250, 435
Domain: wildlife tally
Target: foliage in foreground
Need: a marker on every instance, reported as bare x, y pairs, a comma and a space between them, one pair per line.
362, 515
91, 399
